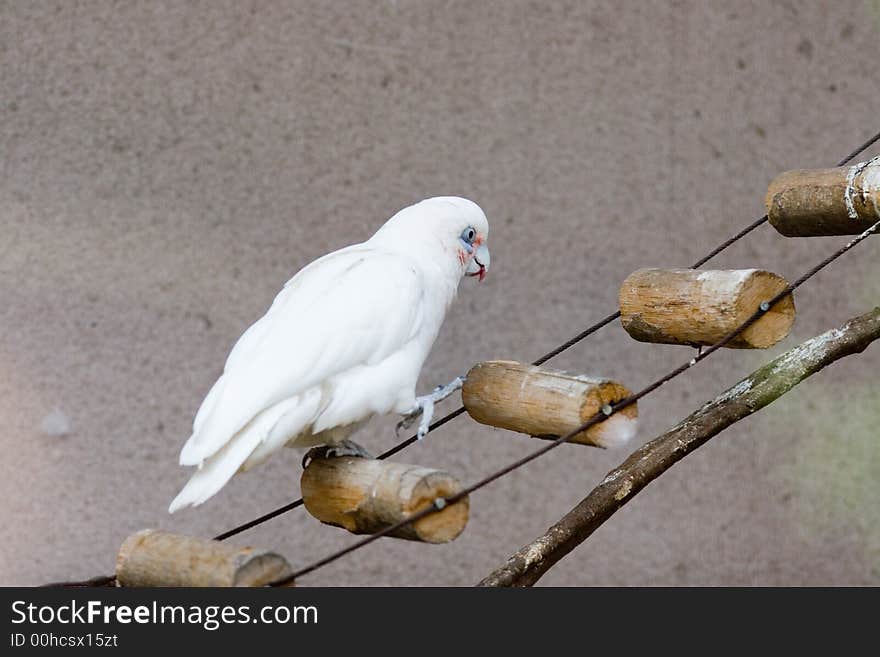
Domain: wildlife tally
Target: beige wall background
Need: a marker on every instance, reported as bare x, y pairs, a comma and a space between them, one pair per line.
165, 167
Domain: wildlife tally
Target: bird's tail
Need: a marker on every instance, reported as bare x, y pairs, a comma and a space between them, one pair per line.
216, 470
262, 436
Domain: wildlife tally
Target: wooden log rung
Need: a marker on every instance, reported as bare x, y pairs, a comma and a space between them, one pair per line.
701, 307
152, 557
547, 403
817, 202
365, 496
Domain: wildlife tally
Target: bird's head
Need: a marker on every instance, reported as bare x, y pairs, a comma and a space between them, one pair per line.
473, 247
456, 225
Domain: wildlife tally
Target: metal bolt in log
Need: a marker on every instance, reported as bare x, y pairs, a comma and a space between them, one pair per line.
697, 308
546, 403
815, 202
365, 496
152, 557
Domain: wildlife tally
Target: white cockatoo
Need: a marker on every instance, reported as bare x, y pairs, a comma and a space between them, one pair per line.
344, 340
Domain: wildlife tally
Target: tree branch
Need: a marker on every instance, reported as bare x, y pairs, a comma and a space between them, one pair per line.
753, 393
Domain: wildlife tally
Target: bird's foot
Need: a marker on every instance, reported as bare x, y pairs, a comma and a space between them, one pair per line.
424, 408
342, 448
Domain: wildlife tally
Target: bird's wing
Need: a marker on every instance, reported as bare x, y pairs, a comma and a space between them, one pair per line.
352, 307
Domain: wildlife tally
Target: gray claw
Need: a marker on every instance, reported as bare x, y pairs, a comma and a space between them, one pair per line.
425, 407
407, 421
342, 448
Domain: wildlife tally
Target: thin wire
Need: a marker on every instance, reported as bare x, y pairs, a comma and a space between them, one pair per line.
580, 336
543, 359
745, 231
259, 521
441, 503
859, 150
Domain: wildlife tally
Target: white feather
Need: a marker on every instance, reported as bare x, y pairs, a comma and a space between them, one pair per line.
293, 420
344, 340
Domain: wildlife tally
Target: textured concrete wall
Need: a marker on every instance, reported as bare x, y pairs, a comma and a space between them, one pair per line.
167, 166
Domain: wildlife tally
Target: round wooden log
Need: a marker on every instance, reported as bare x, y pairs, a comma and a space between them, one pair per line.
814, 202
697, 308
546, 403
365, 496
152, 557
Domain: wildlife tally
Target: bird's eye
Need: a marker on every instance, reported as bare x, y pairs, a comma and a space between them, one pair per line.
469, 235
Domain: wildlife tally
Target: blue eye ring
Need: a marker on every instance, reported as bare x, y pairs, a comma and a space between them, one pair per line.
468, 235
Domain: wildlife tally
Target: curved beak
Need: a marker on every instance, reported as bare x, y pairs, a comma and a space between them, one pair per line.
479, 264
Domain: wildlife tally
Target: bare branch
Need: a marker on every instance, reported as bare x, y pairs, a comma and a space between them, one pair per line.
753, 393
